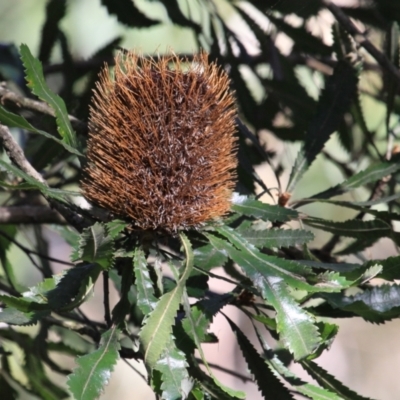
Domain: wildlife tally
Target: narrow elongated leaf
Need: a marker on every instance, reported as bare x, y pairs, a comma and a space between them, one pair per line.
370, 175
38, 85
268, 384
16, 121
250, 206
329, 382
278, 367
295, 274
74, 287
192, 323
177, 16
275, 237
96, 245
156, 332
296, 326
54, 193
353, 228
334, 102
94, 369
379, 304
172, 364
127, 13
146, 300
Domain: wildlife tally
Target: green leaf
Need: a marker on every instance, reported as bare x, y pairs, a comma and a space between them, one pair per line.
177, 16
54, 193
296, 326
267, 383
12, 316
123, 307
252, 207
96, 245
353, 228
329, 382
255, 263
370, 175
7, 391
193, 325
172, 364
275, 237
146, 300
156, 332
379, 304
74, 287
94, 369
127, 13
38, 85
16, 121
208, 257
278, 367
333, 103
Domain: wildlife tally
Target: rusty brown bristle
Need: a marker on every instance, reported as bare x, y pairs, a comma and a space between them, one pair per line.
161, 148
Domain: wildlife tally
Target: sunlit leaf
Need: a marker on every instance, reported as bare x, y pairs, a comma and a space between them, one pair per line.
94, 369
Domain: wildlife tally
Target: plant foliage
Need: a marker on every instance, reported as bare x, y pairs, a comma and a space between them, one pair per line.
289, 284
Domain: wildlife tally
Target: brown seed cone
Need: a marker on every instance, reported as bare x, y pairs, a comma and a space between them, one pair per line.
161, 148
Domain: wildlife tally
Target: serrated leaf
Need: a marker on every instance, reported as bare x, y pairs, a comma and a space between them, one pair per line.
73, 287
296, 326
250, 206
267, 383
329, 382
16, 121
194, 321
275, 237
146, 300
94, 369
279, 368
156, 332
379, 304
12, 316
333, 103
38, 85
208, 257
127, 13
176, 384
353, 228
96, 245
371, 174
177, 16
123, 307
255, 263
390, 267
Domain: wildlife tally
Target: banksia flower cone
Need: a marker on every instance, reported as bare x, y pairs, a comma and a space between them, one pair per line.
161, 148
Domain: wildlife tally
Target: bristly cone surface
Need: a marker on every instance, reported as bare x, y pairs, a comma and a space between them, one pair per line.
161, 148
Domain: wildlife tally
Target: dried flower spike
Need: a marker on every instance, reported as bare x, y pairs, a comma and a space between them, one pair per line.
161, 149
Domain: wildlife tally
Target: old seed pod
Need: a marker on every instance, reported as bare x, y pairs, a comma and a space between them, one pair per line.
161, 148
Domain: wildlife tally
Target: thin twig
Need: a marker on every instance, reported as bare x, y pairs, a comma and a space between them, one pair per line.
106, 291
360, 38
30, 215
29, 251
226, 370
16, 154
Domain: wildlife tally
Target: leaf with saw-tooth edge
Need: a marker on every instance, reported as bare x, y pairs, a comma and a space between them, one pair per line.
156, 332
334, 102
172, 364
94, 369
252, 207
275, 237
267, 383
377, 305
38, 85
96, 245
146, 299
329, 382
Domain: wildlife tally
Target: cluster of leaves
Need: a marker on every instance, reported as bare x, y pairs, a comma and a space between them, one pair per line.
283, 285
